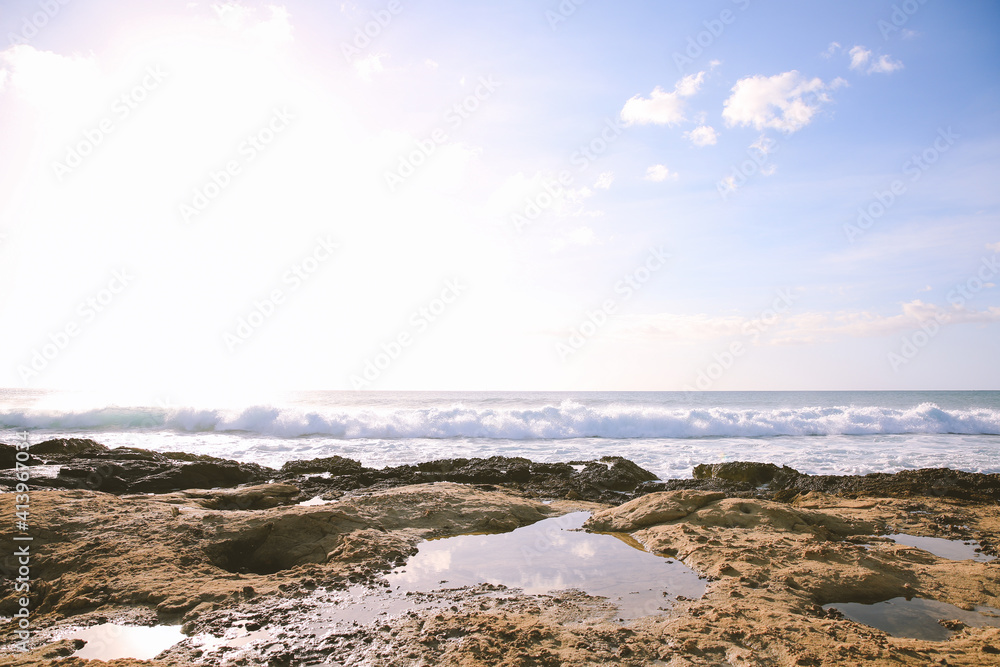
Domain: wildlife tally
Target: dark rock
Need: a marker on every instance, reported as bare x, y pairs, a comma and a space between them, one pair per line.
201, 475
741, 478
87, 464
256, 497
730, 488
604, 481
187, 456
90, 465
743, 471
335, 465
69, 447
8, 457
132, 454
932, 482
441, 465
615, 473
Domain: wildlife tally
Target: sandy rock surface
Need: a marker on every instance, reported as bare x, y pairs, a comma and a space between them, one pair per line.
249, 560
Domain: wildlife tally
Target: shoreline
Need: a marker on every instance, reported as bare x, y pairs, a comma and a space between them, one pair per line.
149, 538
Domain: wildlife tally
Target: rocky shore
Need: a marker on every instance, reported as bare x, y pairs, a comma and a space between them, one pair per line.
135, 537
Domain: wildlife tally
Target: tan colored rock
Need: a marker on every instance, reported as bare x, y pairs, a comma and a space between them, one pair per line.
260, 496
770, 566
94, 550
651, 509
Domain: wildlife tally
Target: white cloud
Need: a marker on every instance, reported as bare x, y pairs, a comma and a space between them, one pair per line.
885, 65
690, 84
859, 56
561, 203
276, 29
785, 102
831, 50
861, 59
605, 180
822, 327
809, 327
659, 173
369, 65
48, 80
686, 328
995, 247
703, 135
764, 145
661, 107
582, 236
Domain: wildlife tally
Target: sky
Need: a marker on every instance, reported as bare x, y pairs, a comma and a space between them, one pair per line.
575, 195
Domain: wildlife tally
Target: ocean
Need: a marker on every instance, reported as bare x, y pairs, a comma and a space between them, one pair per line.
666, 432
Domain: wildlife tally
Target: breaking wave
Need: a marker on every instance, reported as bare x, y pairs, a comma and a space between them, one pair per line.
565, 420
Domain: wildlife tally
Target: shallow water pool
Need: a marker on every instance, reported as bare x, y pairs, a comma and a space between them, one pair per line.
943, 548
915, 618
553, 555
109, 641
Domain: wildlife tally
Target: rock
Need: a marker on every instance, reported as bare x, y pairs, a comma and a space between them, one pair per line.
189, 457
89, 465
771, 567
69, 448
743, 471
615, 473
85, 464
929, 482
612, 479
257, 497
132, 454
335, 465
49, 654
649, 510
8, 457
201, 475
745, 479
494, 470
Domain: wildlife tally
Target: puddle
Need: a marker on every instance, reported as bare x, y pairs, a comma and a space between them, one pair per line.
235, 637
915, 618
315, 501
109, 641
46, 471
943, 548
551, 555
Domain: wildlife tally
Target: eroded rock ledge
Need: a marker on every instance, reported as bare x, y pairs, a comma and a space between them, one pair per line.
205, 548
85, 464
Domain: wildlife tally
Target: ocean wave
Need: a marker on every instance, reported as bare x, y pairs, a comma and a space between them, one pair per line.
566, 420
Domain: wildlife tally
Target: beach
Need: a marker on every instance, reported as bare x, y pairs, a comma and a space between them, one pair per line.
307, 564
395, 334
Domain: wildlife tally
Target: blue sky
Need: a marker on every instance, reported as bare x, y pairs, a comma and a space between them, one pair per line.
249, 196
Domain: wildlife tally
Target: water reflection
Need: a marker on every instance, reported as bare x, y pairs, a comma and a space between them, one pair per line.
109, 641
943, 548
551, 555
915, 618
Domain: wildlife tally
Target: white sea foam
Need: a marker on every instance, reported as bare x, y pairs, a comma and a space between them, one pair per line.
665, 432
569, 419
